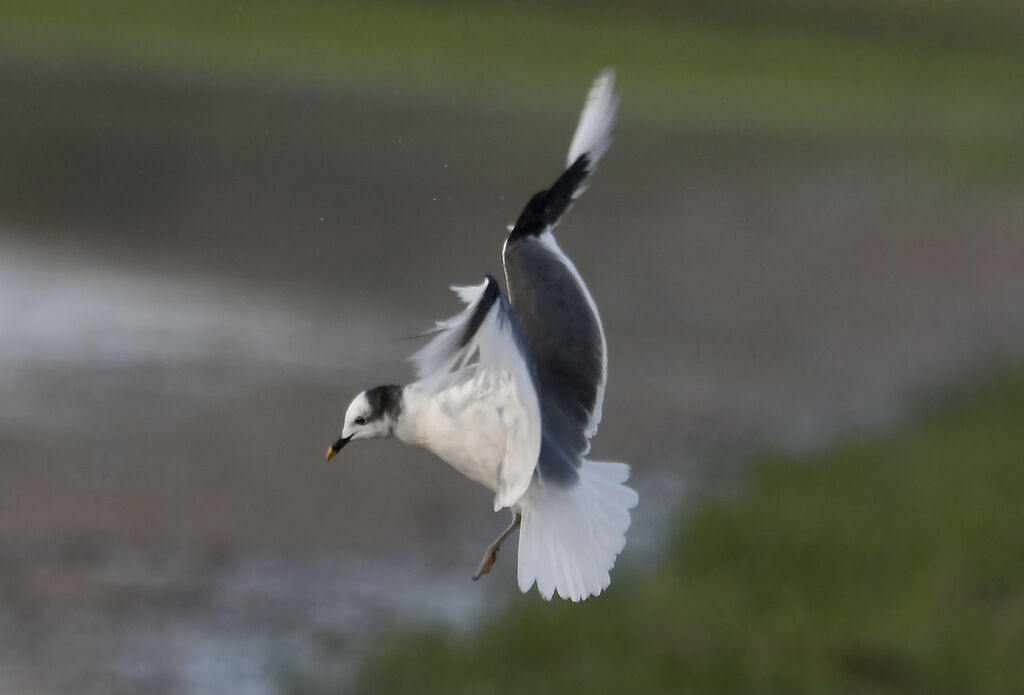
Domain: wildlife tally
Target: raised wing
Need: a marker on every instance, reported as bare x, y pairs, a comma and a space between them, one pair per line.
589, 144
484, 343
558, 316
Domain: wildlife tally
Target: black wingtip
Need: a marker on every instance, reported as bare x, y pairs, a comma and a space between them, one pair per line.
483, 305
547, 207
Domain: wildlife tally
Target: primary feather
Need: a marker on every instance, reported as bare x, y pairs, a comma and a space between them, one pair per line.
593, 134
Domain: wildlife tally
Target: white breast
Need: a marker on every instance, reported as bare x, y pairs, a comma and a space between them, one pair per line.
461, 425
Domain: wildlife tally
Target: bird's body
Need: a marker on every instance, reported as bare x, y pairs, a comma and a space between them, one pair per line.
460, 425
509, 392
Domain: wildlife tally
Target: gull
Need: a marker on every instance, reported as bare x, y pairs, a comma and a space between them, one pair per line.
509, 392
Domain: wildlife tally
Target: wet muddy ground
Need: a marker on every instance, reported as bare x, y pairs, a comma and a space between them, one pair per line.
195, 279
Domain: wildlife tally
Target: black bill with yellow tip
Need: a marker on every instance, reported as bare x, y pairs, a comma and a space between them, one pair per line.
337, 446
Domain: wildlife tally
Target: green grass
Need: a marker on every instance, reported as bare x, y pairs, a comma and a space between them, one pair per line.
895, 565
676, 71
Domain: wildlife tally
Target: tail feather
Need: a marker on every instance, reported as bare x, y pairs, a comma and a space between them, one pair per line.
571, 535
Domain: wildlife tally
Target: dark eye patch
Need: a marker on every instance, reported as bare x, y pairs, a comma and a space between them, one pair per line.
359, 421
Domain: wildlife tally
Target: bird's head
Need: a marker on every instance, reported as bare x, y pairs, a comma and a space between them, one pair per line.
371, 415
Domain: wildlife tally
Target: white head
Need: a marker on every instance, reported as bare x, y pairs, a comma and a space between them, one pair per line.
371, 415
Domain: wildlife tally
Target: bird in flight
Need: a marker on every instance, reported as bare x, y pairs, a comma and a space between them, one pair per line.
509, 392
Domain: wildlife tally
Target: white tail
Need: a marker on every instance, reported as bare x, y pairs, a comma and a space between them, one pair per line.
571, 535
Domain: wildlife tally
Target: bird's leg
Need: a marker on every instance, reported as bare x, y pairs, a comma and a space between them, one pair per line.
491, 554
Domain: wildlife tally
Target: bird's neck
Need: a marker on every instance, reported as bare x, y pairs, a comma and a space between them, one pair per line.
409, 427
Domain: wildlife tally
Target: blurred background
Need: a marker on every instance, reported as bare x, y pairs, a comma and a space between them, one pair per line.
219, 220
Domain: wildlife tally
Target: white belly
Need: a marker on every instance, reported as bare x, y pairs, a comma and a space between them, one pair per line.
462, 427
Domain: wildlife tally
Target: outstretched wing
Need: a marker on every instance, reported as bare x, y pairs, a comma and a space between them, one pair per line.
484, 343
559, 318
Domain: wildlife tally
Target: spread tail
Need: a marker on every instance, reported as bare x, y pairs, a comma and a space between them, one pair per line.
571, 535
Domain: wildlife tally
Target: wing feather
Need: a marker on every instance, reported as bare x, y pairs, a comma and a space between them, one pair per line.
557, 313
484, 342
593, 134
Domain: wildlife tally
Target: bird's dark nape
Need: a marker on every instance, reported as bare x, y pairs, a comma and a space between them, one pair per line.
385, 400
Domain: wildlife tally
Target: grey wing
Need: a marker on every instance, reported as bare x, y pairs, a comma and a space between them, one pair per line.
563, 332
558, 316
